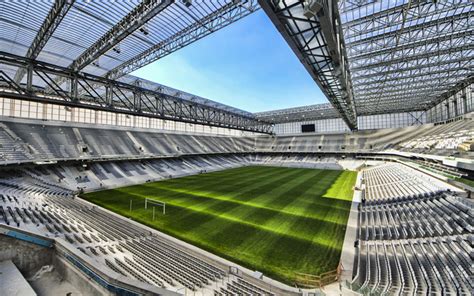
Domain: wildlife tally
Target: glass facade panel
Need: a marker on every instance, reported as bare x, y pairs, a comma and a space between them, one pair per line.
35, 110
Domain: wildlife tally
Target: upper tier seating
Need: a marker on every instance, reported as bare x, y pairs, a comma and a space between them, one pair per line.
31, 140
442, 137
46, 141
12, 148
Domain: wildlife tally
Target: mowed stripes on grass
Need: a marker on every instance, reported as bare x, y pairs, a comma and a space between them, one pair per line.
276, 220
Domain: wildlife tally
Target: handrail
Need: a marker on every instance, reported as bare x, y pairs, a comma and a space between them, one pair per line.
317, 281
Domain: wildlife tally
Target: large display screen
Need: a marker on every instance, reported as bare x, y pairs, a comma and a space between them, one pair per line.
308, 128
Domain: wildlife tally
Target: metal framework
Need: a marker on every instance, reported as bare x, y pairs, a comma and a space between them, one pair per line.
112, 95
97, 38
405, 55
312, 112
461, 85
53, 19
212, 22
134, 20
312, 29
369, 57
113, 40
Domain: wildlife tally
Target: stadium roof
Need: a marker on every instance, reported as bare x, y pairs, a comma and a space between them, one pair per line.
403, 55
311, 112
80, 53
113, 40
313, 37
394, 56
181, 94
116, 39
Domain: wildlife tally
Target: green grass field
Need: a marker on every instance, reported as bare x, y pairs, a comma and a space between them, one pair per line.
272, 219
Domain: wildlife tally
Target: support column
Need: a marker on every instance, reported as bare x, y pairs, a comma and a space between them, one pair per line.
12, 107
29, 78
109, 95
455, 107
464, 100
45, 111
447, 110
429, 115
73, 114
73, 87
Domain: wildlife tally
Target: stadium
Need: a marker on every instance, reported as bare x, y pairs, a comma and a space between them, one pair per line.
115, 184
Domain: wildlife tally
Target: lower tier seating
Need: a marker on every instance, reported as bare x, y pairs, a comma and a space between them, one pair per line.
123, 247
421, 245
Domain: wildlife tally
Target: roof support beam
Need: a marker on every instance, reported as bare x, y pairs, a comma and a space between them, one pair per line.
311, 112
440, 41
431, 80
320, 50
140, 15
371, 16
421, 68
393, 17
227, 14
115, 96
452, 91
467, 48
404, 90
135, 19
424, 30
51, 22
406, 53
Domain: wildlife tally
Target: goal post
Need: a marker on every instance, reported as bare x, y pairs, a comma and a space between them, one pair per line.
155, 202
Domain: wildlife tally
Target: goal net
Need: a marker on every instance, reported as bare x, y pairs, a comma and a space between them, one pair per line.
154, 202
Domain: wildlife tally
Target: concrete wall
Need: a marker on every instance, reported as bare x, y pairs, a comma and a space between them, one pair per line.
28, 257
77, 279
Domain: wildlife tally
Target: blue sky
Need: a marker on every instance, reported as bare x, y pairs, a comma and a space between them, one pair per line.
246, 65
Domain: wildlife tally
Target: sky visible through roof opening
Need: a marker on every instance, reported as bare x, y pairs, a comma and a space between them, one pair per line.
246, 65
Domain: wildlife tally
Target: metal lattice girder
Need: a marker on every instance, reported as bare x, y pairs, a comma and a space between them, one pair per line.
452, 64
88, 21
139, 16
114, 96
406, 52
181, 94
428, 63
419, 32
462, 84
388, 109
134, 20
408, 103
53, 19
414, 90
312, 30
352, 15
440, 42
311, 112
225, 15
428, 80
398, 58
387, 17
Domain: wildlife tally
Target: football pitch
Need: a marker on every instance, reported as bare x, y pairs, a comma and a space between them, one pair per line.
275, 220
